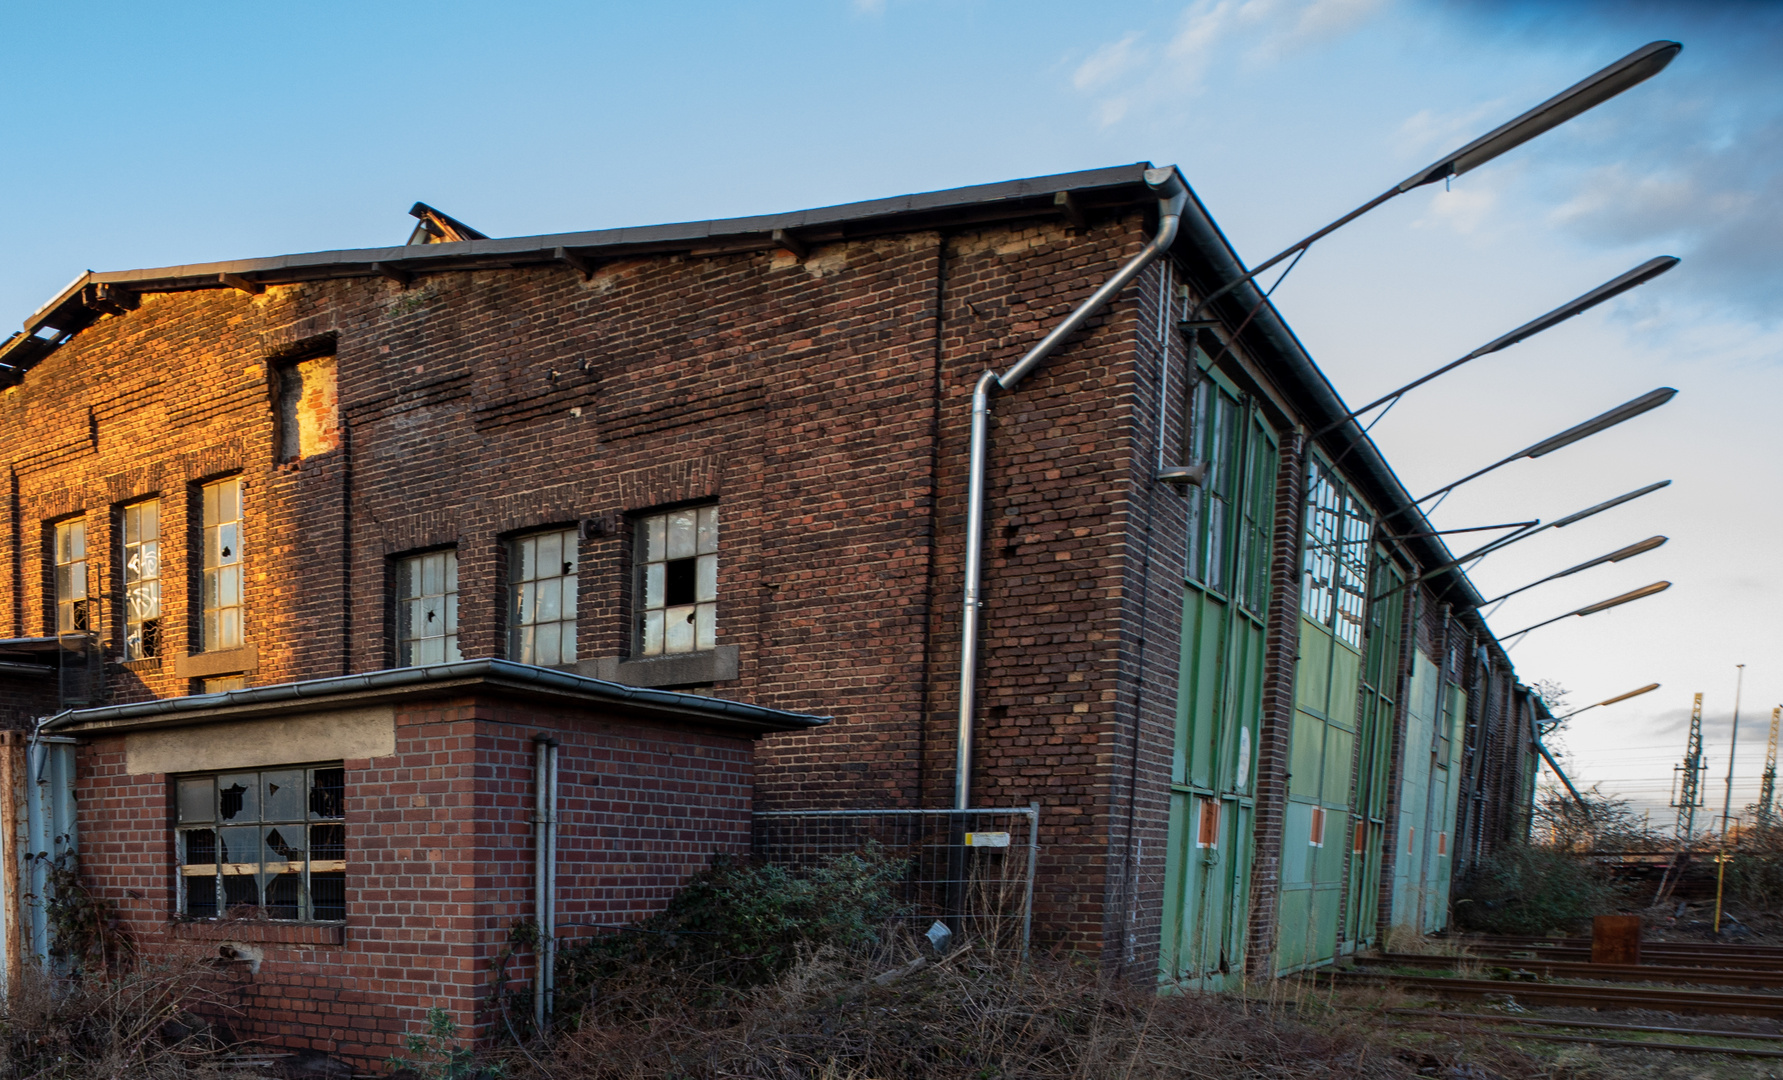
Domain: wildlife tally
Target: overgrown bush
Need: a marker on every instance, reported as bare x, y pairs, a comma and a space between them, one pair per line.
737, 924
1755, 872
1528, 889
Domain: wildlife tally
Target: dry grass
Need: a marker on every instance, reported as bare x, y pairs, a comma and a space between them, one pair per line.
971, 1016
139, 1024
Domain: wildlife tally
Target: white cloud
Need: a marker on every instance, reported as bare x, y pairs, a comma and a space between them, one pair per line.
867, 7
1109, 62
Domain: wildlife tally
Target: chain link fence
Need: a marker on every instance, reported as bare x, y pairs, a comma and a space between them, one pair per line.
972, 870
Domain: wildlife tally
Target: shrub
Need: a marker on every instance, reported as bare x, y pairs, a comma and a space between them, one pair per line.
1525, 889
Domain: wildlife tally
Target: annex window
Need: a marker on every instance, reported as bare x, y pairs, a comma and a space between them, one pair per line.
542, 598
142, 580
1316, 834
270, 843
678, 582
1334, 589
74, 614
222, 565
427, 609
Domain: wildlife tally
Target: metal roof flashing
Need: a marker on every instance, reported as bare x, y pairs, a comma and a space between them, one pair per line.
466, 676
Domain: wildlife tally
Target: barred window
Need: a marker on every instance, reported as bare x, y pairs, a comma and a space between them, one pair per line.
542, 604
270, 842
427, 609
142, 580
222, 565
1334, 588
73, 607
678, 582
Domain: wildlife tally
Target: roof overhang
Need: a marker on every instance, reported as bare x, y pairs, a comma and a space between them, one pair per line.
466, 678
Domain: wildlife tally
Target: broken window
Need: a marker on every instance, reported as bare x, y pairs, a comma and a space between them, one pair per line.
1334, 586
308, 408
73, 607
427, 609
270, 843
542, 598
222, 565
142, 580
678, 582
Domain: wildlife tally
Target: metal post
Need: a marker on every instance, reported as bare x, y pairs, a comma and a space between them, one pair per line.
1033, 862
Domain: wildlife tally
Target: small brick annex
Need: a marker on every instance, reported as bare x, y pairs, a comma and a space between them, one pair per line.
439, 810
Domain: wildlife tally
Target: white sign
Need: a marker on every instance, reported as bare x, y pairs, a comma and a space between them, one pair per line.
987, 839
1244, 759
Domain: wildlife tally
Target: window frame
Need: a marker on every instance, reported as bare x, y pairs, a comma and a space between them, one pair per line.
73, 613
447, 596
519, 647
217, 568
695, 569
268, 825
141, 642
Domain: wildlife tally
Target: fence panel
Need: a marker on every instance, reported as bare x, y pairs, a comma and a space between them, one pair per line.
972, 870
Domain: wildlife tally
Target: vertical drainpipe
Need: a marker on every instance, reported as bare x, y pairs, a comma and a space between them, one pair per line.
544, 879
1173, 195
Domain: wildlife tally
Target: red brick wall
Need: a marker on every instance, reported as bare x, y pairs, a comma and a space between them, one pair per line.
439, 863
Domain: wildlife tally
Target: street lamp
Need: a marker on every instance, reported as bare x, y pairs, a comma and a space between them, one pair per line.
1523, 534
1638, 66
1628, 552
1628, 410
1640, 275
1647, 689
1602, 605
1555, 765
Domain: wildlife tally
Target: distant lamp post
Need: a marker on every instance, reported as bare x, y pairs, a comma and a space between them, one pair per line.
1555, 765
1640, 275
1647, 689
1628, 410
1602, 605
1638, 66
1628, 552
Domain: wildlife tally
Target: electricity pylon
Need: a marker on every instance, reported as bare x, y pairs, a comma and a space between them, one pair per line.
1690, 775
1767, 791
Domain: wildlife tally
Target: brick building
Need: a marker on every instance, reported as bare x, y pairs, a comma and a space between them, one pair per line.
729, 462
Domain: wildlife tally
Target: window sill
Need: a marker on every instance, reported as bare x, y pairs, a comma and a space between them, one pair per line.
686, 669
148, 663
242, 661
281, 933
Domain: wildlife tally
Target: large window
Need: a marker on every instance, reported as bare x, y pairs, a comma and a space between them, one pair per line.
678, 582
73, 609
542, 598
270, 842
1334, 587
427, 609
142, 580
222, 565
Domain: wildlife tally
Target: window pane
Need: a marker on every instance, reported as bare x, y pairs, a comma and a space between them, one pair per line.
653, 583
567, 646
705, 634
239, 797
429, 651
283, 895
452, 612
706, 578
283, 795
328, 896
545, 641
328, 793
229, 541
677, 629
526, 565
549, 606
550, 547
198, 799
229, 628
228, 500
682, 527
656, 545
708, 538
433, 574
452, 653
149, 520
653, 633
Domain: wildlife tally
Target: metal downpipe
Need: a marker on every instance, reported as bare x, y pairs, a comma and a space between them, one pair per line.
1173, 195
544, 878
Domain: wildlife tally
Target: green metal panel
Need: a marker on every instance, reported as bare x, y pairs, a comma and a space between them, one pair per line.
1374, 734
1219, 699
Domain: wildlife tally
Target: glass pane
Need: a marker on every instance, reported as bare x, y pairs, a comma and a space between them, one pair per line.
229, 587
706, 580
149, 521
210, 630
550, 601
656, 531
571, 555
283, 843
132, 525
240, 890
433, 574
653, 578
228, 628
568, 645
283, 795
210, 547
452, 655
682, 528
229, 539
550, 555
238, 846
545, 644
229, 500
520, 645
451, 571
452, 613
239, 797
567, 605
406, 579
653, 633
708, 539
210, 505
705, 635
430, 651
677, 629
198, 799
527, 559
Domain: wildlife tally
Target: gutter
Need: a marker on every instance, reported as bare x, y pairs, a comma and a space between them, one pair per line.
438, 678
1172, 194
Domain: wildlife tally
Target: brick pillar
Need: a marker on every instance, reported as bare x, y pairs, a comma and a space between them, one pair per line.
1281, 651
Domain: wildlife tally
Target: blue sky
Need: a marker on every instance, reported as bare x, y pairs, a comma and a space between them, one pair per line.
143, 137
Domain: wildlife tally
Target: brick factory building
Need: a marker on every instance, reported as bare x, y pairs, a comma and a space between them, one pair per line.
679, 491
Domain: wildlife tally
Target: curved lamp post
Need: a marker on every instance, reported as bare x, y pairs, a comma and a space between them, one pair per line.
1628, 552
1602, 605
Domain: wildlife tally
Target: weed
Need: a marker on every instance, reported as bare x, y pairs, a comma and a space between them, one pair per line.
1526, 889
434, 1053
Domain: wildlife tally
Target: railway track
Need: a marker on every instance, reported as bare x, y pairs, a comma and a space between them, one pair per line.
1657, 998
1645, 973
1463, 1019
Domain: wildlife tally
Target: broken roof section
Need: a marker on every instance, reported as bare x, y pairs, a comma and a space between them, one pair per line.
1200, 247
439, 680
